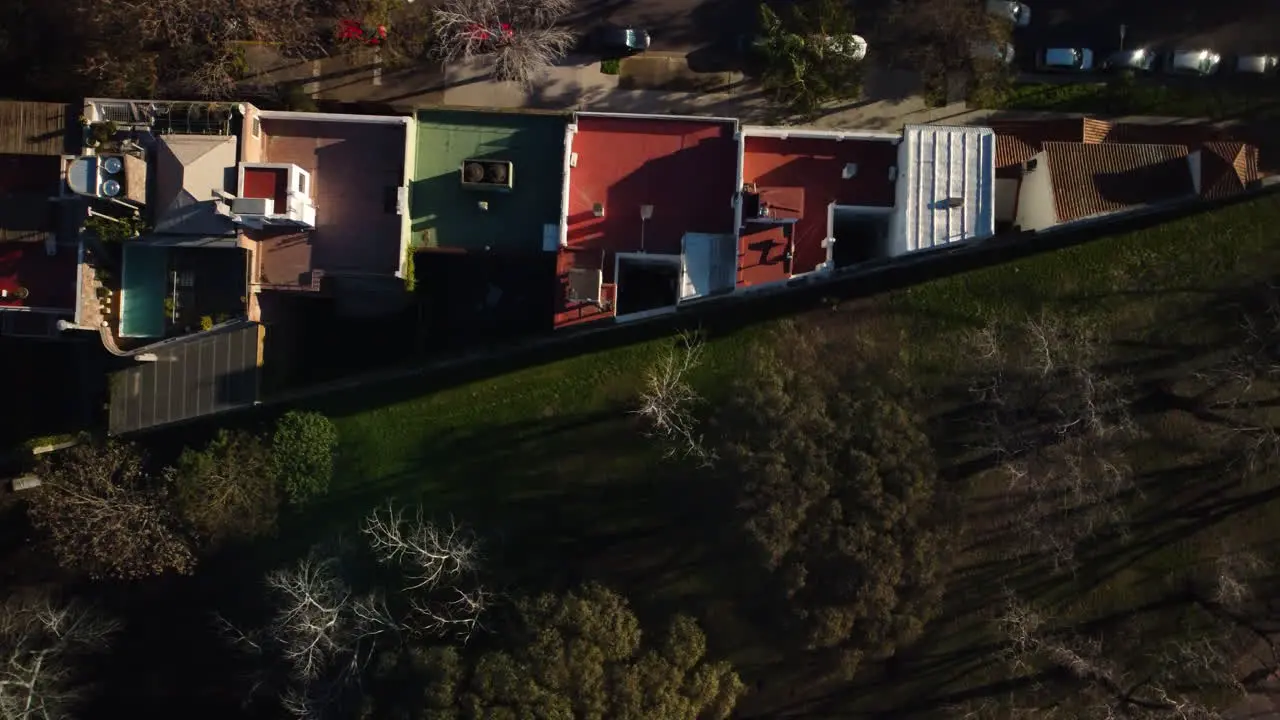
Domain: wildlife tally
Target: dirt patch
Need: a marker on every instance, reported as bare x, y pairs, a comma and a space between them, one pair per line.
672, 73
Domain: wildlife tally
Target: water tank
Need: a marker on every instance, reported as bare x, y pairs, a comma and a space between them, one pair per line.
112, 164
82, 176
110, 188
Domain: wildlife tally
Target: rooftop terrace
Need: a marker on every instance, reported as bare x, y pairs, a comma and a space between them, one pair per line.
445, 214
355, 169
802, 177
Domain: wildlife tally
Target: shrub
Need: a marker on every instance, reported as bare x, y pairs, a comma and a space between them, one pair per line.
611, 67
302, 455
226, 491
410, 272
206, 322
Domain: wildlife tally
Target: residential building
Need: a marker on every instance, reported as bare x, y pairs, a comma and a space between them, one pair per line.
1060, 171
40, 252
649, 214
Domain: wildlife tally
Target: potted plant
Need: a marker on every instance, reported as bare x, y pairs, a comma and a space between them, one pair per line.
101, 133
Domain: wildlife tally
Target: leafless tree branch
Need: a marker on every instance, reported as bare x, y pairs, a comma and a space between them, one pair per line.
41, 642
522, 37
668, 401
429, 554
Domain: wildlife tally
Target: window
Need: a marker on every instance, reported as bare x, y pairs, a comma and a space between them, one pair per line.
301, 183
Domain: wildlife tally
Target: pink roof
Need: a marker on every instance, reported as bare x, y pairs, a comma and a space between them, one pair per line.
815, 165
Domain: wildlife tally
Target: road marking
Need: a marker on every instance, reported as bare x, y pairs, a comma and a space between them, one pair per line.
377, 67
313, 87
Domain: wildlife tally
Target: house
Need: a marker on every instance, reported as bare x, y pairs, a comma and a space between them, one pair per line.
814, 201
40, 251
1060, 171
486, 219
649, 215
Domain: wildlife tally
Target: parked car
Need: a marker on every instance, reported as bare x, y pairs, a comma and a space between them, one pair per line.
851, 46
1065, 60
1257, 64
1015, 12
993, 52
619, 40
1138, 59
1192, 62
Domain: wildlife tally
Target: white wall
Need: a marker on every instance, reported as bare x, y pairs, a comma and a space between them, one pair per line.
1035, 197
1007, 199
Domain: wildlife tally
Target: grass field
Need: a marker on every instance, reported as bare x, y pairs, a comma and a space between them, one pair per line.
551, 464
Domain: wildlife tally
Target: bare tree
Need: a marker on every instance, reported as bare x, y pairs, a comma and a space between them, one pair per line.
668, 401
521, 37
1058, 429
42, 643
105, 516
439, 565
1171, 683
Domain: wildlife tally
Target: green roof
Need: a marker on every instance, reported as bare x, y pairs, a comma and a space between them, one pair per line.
446, 215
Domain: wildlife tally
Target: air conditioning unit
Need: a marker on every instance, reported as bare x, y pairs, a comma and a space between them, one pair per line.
253, 206
487, 174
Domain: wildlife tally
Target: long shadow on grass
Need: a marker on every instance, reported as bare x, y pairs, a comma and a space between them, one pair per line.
726, 317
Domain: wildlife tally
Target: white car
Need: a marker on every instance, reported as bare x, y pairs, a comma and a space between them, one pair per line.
1257, 64
851, 46
993, 52
1014, 12
1193, 62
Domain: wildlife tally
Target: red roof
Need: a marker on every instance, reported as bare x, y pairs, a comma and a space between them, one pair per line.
1018, 141
33, 278
1093, 179
1227, 168
685, 169
817, 166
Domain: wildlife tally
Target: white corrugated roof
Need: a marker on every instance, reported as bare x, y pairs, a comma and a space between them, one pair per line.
946, 187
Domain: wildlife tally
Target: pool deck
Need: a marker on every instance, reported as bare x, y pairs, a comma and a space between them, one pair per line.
446, 215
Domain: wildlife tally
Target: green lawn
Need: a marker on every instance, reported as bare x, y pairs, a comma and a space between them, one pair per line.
1134, 97
550, 463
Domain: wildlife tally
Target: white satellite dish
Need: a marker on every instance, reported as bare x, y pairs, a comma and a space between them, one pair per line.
110, 188
112, 164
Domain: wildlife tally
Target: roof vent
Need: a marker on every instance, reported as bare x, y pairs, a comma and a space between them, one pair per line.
112, 164
487, 174
850, 171
110, 188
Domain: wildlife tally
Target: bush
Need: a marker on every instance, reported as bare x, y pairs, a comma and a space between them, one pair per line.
206, 322
302, 455
611, 67
410, 272
226, 491
297, 99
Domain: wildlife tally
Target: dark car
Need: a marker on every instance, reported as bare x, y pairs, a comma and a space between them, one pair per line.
619, 40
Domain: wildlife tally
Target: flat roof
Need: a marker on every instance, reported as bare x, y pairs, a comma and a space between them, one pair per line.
356, 169
946, 187
447, 215
686, 169
190, 377
817, 165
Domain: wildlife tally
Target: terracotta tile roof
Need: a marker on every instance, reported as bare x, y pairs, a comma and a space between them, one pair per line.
1094, 179
1227, 168
1018, 141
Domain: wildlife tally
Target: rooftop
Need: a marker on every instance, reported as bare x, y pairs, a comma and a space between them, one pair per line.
38, 275
946, 187
190, 376
1227, 168
684, 169
356, 168
35, 128
1017, 141
447, 215
1096, 179
33, 138
188, 169
816, 166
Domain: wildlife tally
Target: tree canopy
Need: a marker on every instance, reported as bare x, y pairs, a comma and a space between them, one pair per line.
302, 454
576, 655
838, 488
806, 59
106, 516
226, 491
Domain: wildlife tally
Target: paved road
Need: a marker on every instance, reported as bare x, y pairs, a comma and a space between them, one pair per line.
687, 25
1228, 26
